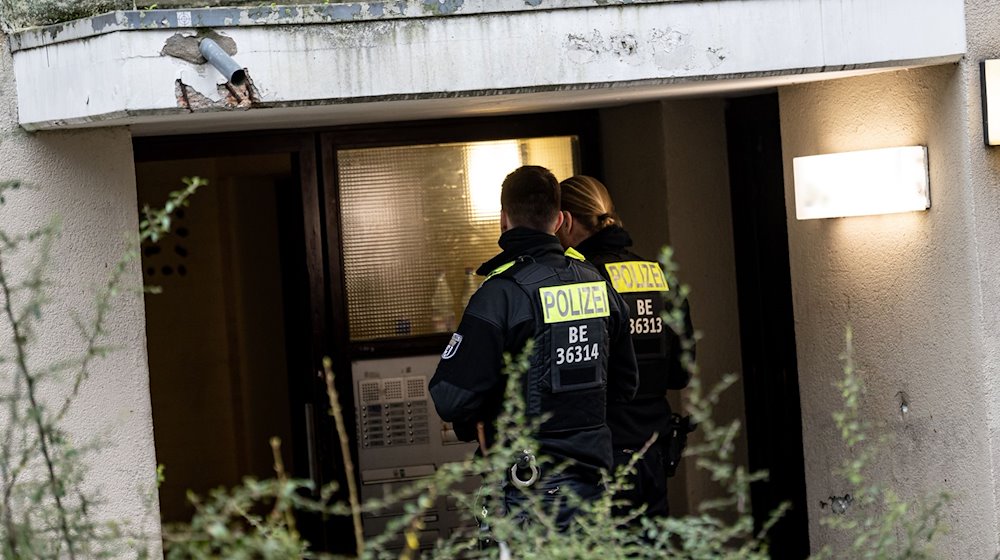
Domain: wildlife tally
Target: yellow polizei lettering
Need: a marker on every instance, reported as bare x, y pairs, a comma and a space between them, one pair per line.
572, 302
636, 276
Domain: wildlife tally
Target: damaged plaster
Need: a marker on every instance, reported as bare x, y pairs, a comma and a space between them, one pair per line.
185, 47
362, 36
666, 48
227, 97
442, 7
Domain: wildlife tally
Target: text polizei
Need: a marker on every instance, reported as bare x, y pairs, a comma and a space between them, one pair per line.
572, 302
636, 276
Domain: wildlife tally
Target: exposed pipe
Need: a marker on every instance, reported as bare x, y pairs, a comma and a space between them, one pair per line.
225, 64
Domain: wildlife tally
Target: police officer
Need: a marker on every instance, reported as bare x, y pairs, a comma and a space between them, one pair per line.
583, 356
591, 226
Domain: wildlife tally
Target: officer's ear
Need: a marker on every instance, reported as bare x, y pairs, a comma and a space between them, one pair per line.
560, 219
504, 223
562, 232
567, 218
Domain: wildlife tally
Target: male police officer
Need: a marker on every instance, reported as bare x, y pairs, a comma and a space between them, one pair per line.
583, 354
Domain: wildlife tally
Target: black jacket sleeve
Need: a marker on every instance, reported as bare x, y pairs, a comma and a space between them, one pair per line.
465, 382
468, 387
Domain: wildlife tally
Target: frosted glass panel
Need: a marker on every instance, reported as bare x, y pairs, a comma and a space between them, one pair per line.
415, 218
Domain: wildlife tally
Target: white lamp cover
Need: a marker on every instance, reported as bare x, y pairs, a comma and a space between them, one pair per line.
883, 181
989, 85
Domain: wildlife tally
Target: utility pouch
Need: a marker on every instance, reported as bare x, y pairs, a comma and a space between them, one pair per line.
680, 427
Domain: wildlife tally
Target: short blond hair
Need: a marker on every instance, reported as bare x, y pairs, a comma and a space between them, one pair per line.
588, 200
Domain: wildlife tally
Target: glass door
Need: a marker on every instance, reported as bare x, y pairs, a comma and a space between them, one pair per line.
412, 211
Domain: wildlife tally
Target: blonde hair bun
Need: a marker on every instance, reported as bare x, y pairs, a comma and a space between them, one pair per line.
589, 201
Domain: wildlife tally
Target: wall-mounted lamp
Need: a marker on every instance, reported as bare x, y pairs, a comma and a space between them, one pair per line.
989, 86
884, 181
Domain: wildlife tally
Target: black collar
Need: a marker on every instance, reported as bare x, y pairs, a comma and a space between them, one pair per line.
520, 242
611, 238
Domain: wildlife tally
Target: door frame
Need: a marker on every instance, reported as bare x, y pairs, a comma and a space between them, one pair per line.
306, 324
767, 322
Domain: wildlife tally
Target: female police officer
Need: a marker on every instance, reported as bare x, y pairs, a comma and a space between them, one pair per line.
591, 226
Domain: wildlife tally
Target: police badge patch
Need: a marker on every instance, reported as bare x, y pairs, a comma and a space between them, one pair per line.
453, 344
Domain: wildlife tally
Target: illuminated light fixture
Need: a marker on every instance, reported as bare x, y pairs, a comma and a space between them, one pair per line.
884, 181
487, 164
989, 86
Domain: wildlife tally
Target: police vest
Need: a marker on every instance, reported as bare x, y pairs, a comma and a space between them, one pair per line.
568, 375
641, 284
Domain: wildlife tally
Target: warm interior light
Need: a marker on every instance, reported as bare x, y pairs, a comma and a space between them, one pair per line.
487, 164
989, 85
884, 181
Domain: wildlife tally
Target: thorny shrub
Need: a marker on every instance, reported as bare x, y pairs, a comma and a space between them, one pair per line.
718, 529
45, 513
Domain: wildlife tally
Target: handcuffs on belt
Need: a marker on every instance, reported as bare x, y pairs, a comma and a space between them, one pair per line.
525, 461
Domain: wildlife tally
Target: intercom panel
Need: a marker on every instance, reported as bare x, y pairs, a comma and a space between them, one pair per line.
402, 439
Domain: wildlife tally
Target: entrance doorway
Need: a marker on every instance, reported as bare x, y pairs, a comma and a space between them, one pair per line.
321, 243
229, 336
284, 257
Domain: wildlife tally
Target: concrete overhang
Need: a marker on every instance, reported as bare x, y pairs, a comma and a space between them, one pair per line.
355, 62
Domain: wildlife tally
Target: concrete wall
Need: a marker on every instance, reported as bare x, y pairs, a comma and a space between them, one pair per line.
87, 179
699, 214
912, 287
983, 37
666, 167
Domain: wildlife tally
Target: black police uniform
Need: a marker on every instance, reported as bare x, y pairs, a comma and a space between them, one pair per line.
583, 358
658, 351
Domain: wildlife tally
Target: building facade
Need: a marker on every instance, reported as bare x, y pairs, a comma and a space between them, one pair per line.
692, 113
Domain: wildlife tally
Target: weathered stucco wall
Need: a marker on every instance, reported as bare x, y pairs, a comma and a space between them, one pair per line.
87, 179
983, 30
910, 285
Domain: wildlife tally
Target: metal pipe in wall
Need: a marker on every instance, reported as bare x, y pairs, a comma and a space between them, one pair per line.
225, 64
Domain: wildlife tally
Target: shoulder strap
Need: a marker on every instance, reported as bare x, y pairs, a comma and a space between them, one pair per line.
500, 269
574, 254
